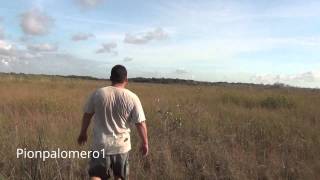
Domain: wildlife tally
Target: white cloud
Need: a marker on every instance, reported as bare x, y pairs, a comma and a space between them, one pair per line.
291, 79
45, 47
127, 59
5, 46
306, 77
89, 3
6, 51
181, 71
5, 62
30, 55
107, 48
145, 37
82, 36
36, 22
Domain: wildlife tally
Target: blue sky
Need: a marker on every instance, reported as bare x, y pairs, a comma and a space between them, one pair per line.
234, 41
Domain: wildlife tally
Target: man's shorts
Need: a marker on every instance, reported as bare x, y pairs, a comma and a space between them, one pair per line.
117, 164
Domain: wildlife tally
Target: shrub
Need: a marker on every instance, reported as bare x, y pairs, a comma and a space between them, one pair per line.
238, 100
275, 102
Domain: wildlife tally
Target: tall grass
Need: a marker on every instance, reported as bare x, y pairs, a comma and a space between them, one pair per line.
195, 132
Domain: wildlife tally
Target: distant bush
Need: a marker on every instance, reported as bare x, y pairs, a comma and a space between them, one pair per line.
275, 102
269, 102
280, 85
238, 100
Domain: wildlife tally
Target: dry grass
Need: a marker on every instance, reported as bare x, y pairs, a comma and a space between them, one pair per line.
196, 132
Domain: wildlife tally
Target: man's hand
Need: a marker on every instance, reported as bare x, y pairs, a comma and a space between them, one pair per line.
142, 130
82, 139
144, 149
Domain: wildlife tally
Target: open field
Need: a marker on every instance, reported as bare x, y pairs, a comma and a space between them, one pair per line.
195, 132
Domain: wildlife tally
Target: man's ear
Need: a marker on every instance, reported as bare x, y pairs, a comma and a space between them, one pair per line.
126, 81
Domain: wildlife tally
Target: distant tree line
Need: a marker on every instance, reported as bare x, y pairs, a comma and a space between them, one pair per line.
159, 80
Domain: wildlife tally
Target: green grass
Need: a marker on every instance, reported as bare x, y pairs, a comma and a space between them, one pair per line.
195, 132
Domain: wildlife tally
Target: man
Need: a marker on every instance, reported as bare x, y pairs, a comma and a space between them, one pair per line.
113, 107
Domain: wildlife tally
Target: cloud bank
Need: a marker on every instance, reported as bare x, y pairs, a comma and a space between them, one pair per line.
107, 48
44, 47
144, 38
36, 61
82, 36
5, 46
299, 78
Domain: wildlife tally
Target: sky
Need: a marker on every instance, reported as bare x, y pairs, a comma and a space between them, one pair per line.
248, 41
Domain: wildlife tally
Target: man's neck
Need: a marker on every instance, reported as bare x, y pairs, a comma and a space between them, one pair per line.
118, 85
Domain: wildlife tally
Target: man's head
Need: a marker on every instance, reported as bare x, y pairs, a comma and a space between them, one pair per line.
118, 74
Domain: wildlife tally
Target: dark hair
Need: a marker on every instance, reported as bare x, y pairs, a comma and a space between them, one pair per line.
118, 74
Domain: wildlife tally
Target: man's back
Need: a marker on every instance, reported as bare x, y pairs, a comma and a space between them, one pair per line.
114, 108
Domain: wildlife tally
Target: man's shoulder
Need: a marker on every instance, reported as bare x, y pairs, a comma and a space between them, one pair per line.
131, 94
111, 90
103, 89
99, 92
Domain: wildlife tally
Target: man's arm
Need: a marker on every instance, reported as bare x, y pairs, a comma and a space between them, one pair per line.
142, 130
86, 119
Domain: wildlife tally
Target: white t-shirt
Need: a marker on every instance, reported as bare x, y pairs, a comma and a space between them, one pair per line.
114, 108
